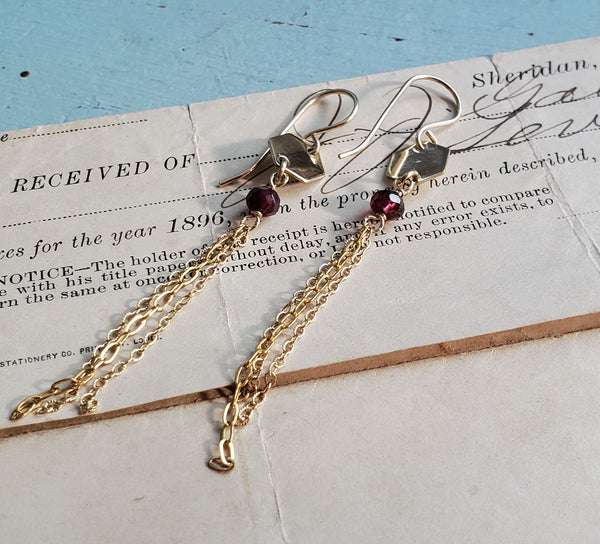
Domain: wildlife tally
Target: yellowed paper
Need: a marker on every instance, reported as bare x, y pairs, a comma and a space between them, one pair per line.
94, 213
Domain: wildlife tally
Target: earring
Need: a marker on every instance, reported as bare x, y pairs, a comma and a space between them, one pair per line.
407, 168
294, 156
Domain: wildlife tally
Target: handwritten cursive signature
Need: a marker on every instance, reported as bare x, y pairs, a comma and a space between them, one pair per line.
496, 119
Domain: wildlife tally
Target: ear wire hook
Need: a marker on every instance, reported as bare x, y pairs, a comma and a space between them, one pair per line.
313, 99
427, 129
298, 113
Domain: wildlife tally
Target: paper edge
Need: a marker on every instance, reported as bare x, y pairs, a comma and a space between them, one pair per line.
536, 331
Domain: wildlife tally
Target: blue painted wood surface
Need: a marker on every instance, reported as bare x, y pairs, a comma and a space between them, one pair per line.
68, 60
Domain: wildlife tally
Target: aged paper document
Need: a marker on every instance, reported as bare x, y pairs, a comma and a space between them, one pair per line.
503, 246
496, 446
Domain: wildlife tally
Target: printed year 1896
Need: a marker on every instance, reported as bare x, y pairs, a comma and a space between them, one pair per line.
201, 221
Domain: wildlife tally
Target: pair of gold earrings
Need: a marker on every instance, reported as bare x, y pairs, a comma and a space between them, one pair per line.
294, 157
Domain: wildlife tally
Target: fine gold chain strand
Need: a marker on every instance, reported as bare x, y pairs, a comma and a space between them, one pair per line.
196, 273
88, 402
250, 386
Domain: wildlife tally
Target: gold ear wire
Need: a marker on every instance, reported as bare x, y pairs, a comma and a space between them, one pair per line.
425, 130
288, 141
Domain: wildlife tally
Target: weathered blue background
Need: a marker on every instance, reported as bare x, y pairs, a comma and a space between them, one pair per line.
92, 58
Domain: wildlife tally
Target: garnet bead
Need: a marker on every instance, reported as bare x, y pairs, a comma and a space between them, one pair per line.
389, 203
264, 200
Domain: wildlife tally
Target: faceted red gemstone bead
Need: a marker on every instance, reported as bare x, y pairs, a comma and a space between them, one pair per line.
264, 200
389, 203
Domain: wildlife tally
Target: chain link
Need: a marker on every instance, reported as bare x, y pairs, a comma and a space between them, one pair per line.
192, 277
251, 384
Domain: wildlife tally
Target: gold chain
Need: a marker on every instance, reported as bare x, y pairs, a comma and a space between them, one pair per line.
251, 386
193, 277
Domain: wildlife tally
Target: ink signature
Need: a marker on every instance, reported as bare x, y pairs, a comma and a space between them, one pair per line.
499, 113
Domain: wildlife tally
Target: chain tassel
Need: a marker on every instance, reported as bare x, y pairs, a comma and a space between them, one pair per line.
193, 277
251, 386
